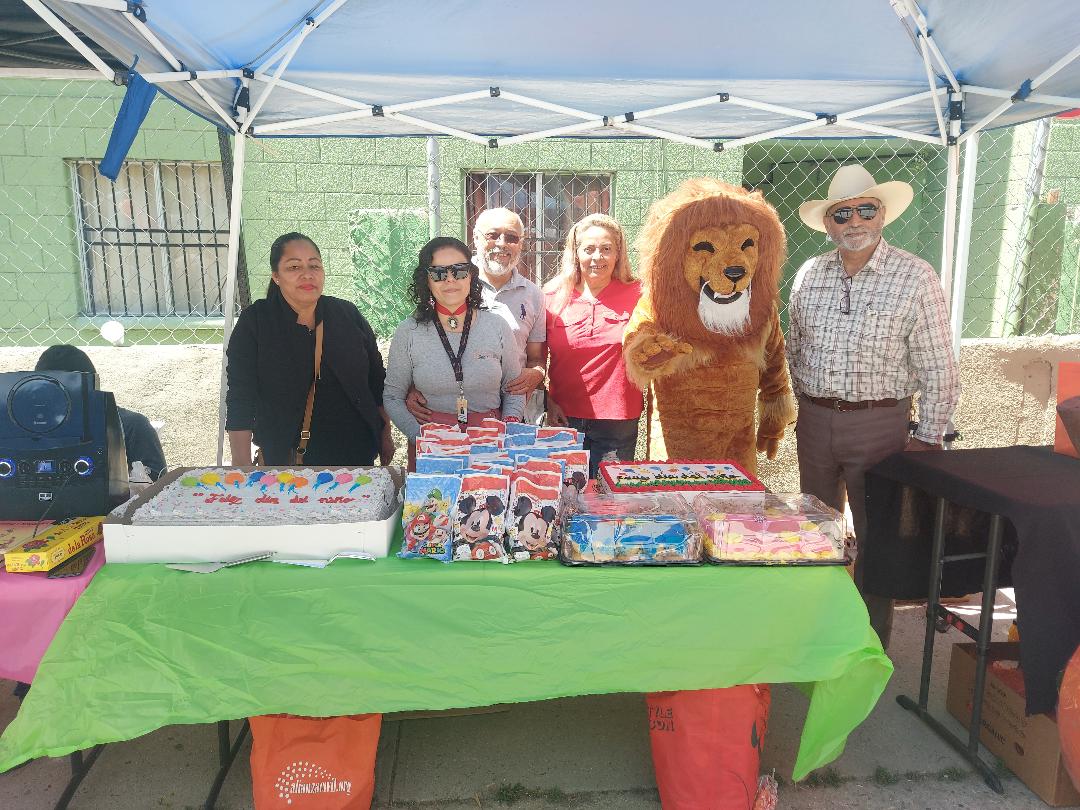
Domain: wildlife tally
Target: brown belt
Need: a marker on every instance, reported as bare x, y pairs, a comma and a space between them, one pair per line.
843, 405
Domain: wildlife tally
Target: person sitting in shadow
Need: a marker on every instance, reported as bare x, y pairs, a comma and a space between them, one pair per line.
140, 438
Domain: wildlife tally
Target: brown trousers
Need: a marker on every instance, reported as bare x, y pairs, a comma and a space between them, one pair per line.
835, 451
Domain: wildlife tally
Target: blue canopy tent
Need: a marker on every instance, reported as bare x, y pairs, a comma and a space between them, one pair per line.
707, 74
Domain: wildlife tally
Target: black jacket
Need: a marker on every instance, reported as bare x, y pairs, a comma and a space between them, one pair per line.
271, 360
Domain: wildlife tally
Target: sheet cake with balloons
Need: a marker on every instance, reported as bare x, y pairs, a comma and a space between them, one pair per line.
211, 514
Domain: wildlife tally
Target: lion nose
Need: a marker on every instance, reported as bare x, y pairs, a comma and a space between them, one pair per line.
735, 273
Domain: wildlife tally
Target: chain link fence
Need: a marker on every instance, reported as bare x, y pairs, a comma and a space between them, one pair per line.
790, 172
149, 251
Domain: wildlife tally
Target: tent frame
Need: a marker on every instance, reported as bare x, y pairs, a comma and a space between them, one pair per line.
940, 79
941, 82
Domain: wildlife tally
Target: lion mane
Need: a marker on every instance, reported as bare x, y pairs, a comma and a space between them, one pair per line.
697, 204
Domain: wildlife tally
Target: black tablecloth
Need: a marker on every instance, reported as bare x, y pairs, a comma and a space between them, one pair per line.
1037, 491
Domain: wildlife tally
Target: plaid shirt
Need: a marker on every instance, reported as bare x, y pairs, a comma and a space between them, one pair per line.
893, 340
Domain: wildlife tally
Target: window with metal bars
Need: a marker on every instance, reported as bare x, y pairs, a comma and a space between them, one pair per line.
155, 242
549, 205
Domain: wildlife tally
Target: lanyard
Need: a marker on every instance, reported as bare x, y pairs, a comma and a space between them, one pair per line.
455, 360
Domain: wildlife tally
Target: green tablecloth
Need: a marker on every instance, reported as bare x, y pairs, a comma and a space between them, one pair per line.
147, 646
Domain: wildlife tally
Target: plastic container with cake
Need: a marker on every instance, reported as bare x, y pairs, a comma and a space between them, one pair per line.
765, 528
634, 530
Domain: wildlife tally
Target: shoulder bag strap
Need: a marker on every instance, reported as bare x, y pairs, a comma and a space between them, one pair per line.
305, 428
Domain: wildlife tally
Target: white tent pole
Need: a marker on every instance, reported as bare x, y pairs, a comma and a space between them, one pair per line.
311, 91
593, 120
765, 107
432, 127
715, 98
190, 75
1031, 85
667, 136
974, 129
239, 144
294, 46
112, 5
948, 228
367, 112
777, 133
963, 238
175, 64
439, 101
318, 20
952, 179
434, 199
304, 123
891, 104
954, 83
890, 132
1034, 98
1059, 65
546, 105
569, 129
60, 27
931, 80
924, 33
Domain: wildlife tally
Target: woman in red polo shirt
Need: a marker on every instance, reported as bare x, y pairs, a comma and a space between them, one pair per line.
588, 306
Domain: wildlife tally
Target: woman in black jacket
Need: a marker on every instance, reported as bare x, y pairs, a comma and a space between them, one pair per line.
271, 363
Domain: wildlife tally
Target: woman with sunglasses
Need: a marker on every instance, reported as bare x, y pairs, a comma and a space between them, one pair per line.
588, 307
271, 369
456, 354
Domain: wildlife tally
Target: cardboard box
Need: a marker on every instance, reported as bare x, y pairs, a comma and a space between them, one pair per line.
16, 532
1029, 746
1067, 420
53, 545
125, 543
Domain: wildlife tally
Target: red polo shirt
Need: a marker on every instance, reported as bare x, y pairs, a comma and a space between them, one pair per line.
586, 373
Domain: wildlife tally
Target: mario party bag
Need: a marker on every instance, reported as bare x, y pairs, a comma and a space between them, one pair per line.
314, 763
426, 516
706, 746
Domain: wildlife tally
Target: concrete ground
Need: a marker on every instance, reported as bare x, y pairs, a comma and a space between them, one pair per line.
587, 752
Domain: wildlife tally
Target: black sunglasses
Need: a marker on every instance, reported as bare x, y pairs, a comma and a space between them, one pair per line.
866, 211
460, 271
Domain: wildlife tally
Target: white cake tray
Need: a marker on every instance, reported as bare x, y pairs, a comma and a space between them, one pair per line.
125, 543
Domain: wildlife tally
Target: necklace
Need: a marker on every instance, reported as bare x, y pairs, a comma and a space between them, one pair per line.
451, 319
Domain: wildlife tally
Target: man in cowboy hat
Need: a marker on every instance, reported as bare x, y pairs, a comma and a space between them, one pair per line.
868, 329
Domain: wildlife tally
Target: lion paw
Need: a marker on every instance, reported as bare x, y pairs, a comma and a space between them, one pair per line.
768, 445
657, 351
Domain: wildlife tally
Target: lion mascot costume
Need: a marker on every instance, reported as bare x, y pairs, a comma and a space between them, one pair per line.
706, 337
706, 333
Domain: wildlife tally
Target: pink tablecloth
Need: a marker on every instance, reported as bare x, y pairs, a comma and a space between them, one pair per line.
31, 609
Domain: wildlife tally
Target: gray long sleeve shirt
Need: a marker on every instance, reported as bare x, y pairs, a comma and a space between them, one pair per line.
418, 358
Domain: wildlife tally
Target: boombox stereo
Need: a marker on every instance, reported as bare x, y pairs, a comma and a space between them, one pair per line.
61, 447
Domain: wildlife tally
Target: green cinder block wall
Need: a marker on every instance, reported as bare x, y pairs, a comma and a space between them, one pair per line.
336, 190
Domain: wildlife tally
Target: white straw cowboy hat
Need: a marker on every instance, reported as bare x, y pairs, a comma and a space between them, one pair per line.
849, 183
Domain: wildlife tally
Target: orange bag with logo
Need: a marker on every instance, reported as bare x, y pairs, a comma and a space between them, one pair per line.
321, 763
706, 746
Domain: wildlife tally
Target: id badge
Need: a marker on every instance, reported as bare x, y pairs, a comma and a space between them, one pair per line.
462, 409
